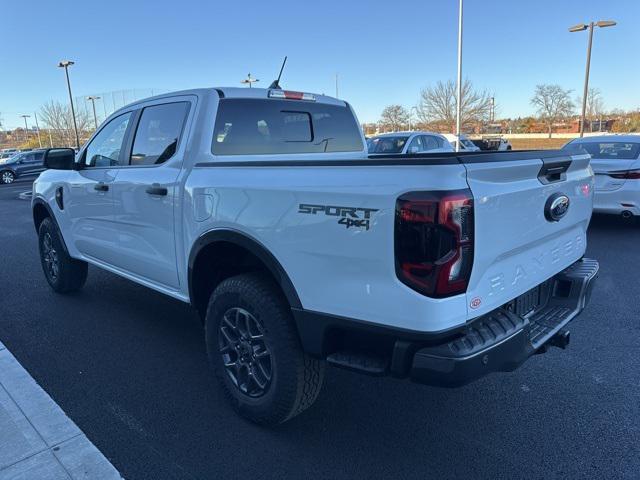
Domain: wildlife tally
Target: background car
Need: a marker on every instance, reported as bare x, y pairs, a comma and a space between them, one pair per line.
20, 165
615, 160
408, 143
494, 143
466, 145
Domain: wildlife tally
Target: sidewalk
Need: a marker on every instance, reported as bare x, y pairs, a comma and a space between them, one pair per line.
37, 440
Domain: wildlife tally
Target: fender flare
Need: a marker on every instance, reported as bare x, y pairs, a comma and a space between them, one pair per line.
256, 248
40, 201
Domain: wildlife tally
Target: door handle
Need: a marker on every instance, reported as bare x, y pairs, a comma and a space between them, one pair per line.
156, 189
101, 187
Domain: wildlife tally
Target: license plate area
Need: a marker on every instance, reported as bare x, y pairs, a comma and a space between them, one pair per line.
531, 301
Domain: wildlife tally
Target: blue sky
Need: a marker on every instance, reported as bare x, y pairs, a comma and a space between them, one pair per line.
384, 52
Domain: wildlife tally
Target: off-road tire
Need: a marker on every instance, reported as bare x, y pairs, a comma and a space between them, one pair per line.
296, 378
69, 275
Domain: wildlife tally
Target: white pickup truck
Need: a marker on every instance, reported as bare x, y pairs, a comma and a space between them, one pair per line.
262, 209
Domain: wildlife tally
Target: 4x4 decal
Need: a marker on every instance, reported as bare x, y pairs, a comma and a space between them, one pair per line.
349, 216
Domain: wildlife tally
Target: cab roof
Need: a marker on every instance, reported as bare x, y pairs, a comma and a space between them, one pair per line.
238, 92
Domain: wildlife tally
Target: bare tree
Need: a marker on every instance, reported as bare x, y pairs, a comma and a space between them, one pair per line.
57, 118
438, 104
394, 117
552, 103
595, 105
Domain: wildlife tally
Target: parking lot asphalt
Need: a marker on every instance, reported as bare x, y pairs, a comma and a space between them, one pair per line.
128, 365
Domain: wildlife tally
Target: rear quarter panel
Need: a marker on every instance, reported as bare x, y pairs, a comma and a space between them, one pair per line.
336, 269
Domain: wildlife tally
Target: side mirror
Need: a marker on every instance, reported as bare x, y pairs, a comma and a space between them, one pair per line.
59, 158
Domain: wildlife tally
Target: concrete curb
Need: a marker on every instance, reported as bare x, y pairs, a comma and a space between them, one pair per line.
37, 439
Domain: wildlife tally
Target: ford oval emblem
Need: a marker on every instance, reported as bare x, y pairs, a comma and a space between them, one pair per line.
556, 207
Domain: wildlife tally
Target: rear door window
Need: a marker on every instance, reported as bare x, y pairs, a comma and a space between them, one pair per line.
431, 143
416, 145
158, 133
268, 127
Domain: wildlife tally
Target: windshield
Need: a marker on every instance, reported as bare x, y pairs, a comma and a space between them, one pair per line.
467, 143
387, 144
11, 158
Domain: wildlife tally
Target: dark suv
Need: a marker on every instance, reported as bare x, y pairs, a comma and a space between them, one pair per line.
21, 164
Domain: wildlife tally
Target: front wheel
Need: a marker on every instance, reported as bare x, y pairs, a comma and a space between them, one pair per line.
7, 177
254, 349
63, 273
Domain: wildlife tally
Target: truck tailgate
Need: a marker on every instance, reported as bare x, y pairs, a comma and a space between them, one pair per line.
519, 241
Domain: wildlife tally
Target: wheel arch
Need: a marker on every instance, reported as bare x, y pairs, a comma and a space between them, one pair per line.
41, 210
249, 251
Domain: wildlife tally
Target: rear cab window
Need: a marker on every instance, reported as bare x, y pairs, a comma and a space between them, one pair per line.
271, 127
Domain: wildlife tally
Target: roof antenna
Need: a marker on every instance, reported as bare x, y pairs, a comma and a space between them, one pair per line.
276, 82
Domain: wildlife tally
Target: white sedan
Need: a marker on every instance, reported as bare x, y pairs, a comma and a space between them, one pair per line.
615, 160
466, 145
408, 143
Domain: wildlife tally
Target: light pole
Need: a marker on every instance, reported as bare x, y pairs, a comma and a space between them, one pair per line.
26, 129
459, 95
579, 28
35, 116
411, 110
66, 64
250, 80
93, 99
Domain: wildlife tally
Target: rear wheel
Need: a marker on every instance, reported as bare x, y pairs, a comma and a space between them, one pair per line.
63, 273
7, 177
255, 352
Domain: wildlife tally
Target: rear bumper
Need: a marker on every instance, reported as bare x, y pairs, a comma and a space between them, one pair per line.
502, 340
626, 198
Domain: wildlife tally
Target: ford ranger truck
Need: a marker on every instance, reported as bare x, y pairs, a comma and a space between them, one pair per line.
262, 209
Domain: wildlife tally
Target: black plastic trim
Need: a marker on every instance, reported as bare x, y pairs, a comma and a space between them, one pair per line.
554, 169
314, 328
39, 201
253, 246
447, 158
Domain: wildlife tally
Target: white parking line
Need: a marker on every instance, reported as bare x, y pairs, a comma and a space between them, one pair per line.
37, 439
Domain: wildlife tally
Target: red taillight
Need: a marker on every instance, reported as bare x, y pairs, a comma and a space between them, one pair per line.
626, 174
434, 241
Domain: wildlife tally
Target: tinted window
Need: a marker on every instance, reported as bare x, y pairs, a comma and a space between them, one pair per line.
387, 144
158, 132
253, 127
431, 143
104, 150
609, 150
415, 146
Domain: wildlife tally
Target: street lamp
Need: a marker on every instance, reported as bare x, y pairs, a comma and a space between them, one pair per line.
26, 129
250, 80
93, 99
66, 64
579, 28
